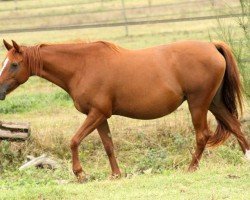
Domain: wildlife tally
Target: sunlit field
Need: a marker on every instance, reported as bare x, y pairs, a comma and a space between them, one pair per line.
153, 155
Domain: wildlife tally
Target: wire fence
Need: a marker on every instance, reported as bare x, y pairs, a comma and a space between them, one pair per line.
103, 11
37, 6
147, 12
127, 14
125, 23
148, 3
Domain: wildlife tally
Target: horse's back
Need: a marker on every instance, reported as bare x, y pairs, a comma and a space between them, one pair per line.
153, 82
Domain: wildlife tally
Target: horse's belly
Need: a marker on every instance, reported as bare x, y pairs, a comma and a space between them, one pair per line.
149, 107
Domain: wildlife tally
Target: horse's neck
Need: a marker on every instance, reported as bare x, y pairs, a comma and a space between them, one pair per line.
58, 65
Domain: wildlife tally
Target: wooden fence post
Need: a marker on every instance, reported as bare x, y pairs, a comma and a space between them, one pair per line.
16, 5
125, 17
149, 9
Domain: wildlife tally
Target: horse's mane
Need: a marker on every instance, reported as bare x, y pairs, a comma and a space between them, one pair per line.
32, 56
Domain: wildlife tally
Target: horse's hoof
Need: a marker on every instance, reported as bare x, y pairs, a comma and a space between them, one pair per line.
192, 169
115, 176
81, 178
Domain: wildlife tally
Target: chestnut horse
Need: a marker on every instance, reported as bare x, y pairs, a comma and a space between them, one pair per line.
104, 80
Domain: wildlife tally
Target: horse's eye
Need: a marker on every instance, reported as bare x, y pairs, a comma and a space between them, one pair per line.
14, 65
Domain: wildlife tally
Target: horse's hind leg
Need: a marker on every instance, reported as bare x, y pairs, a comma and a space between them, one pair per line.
198, 105
199, 119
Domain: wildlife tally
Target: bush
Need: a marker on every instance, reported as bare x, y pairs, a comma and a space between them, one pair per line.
241, 47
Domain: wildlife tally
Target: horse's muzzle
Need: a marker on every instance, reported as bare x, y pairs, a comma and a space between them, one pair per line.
3, 91
2, 95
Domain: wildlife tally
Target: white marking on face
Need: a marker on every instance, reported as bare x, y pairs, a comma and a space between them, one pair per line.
247, 154
4, 65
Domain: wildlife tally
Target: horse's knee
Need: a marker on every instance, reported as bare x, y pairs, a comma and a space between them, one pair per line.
74, 144
202, 137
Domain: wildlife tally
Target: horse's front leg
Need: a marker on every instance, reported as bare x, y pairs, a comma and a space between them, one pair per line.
93, 120
106, 138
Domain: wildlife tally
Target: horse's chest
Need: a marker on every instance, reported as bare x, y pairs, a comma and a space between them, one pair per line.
81, 104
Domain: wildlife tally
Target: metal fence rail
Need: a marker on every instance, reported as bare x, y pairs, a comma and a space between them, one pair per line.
52, 6
16, 8
92, 11
126, 15
122, 23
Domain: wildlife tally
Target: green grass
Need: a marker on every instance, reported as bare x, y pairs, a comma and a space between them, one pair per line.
34, 101
217, 181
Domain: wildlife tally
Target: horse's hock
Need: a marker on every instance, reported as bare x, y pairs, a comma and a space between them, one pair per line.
14, 131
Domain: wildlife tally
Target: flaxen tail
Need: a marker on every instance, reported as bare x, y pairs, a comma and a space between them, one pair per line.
226, 111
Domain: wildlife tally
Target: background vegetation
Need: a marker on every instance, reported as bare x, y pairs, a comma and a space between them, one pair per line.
144, 148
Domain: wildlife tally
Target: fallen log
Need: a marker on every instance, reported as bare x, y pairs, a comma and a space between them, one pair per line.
40, 162
14, 131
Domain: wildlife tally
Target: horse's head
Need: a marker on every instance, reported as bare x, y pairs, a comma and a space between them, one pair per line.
13, 72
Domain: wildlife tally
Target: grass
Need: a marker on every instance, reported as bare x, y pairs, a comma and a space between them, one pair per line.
217, 181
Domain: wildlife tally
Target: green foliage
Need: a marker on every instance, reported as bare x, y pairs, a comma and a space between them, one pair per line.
154, 161
9, 158
238, 37
230, 155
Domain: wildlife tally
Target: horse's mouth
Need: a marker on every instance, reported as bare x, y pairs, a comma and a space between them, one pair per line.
3, 91
6, 89
2, 96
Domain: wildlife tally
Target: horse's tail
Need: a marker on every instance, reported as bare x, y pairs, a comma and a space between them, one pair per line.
227, 100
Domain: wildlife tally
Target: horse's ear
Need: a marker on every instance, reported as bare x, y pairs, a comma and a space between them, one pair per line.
7, 45
16, 46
